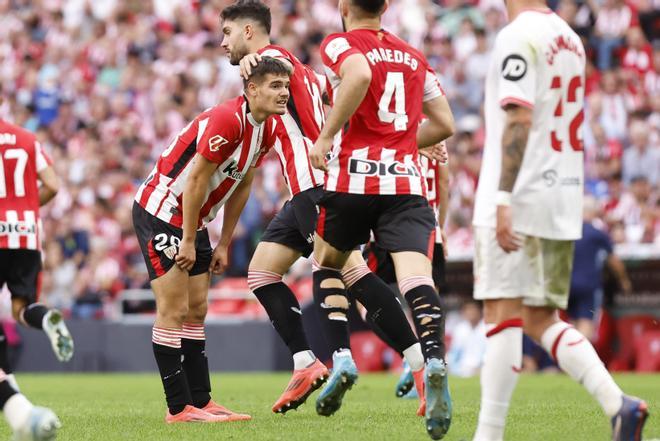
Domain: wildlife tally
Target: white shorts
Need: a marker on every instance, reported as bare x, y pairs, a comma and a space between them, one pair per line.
539, 272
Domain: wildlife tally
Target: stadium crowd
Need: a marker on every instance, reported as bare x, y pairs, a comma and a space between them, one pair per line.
106, 85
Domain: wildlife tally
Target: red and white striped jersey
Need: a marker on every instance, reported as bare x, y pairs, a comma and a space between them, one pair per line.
21, 160
377, 153
298, 129
226, 134
431, 171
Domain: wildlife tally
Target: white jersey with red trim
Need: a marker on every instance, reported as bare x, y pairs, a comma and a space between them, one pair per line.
377, 152
538, 62
21, 160
298, 129
227, 135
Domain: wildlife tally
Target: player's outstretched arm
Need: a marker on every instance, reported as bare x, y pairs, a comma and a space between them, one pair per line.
233, 209
353, 89
50, 185
193, 196
514, 141
439, 124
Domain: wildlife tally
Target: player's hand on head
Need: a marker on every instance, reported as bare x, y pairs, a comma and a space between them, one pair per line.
247, 63
506, 238
219, 260
186, 256
317, 155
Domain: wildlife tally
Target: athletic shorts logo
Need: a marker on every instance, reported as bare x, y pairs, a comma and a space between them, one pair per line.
514, 67
170, 251
216, 142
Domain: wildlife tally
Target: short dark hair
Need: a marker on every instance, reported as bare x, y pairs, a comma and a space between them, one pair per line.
372, 7
267, 65
252, 9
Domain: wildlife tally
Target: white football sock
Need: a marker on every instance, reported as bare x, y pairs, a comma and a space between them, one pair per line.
303, 359
413, 355
499, 375
17, 410
575, 356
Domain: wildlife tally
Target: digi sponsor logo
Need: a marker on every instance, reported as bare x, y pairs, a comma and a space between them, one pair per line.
367, 167
216, 142
514, 67
17, 228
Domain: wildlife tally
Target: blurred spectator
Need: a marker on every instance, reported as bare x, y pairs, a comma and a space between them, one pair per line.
641, 158
613, 20
468, 342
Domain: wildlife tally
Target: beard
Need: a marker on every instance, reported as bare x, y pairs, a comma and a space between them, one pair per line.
237, 55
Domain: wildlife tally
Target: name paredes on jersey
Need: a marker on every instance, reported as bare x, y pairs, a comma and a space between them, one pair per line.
379, 55
375, 168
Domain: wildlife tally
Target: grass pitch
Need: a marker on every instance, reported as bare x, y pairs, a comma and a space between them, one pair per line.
131, 407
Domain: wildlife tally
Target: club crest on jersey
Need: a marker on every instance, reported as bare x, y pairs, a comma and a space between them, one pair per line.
216, 142
514, 67
232, 171
375, 168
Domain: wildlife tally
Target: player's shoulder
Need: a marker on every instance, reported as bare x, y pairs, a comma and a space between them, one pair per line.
276, 51
336, 44
228, 116
14, 134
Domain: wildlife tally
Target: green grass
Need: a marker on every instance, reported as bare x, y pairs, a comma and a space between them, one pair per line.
131, 407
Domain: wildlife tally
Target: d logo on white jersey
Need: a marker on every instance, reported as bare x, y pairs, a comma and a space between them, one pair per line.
514, 67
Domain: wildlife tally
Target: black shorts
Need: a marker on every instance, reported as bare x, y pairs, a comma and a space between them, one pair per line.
160, 241
380, 263
20, 269
399, 222
295, 224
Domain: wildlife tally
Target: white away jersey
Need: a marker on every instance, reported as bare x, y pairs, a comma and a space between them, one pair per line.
538, 62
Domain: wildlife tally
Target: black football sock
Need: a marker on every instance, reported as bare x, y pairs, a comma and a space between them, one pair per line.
284, 313
33, 315
428, 316
4, 360
6, 392
195, 364
384, 311
332, 306
168, 359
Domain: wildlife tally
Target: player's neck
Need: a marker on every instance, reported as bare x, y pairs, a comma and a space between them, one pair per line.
372, 24
514, 8
257, 115
258, 43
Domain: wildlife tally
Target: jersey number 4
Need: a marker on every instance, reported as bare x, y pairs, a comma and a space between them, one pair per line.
21, 158
576, 122
394, 88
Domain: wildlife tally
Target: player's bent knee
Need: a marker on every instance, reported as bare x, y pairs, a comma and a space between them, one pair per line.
197, 312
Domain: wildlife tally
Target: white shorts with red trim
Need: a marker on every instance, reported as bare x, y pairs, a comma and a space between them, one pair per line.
539, 272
